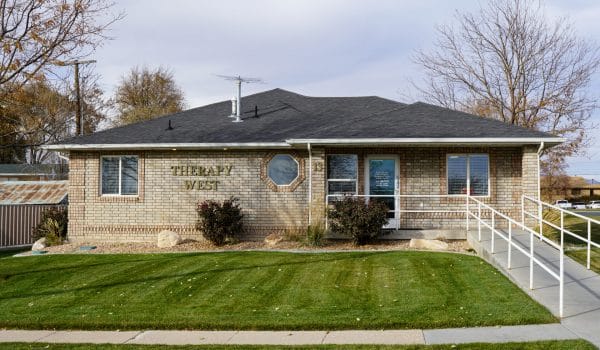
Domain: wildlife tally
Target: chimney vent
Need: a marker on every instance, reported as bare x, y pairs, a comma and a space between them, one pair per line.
233, 108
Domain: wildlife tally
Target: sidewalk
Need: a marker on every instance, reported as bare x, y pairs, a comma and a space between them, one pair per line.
581, 288
418, 336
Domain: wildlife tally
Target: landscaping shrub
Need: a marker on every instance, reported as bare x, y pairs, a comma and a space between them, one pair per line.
315, 234
219, 221
52, 226
358, 219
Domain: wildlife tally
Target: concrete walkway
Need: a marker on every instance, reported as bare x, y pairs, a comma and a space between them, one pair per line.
418, 336
581, 288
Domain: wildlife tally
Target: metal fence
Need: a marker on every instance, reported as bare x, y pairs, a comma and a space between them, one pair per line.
17, 223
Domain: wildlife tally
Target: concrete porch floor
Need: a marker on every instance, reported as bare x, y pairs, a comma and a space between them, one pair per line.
581, 288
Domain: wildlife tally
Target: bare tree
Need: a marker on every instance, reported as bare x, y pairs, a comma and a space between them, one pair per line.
42, 112
509, 62
36, 33
145, 94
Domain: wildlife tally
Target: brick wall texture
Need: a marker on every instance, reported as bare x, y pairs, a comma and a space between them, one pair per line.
163, 202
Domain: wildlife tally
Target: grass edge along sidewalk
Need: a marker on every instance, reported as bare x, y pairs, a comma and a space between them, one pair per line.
264, 290
542, 345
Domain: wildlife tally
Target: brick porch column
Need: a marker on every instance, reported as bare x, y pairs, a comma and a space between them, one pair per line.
317, 198
530, 180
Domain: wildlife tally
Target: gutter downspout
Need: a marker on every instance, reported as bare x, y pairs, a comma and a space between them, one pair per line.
309, 183
539, 197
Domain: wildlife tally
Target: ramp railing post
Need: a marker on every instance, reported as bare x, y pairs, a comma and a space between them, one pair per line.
561, 280
589, 243
523, 210
509, 244
467, 214
493, 228
479, 220
531, 259
326, 212
541, 220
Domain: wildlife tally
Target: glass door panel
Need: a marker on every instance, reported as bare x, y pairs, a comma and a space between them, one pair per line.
382, 182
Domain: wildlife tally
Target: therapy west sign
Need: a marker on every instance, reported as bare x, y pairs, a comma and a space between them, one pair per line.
201, 184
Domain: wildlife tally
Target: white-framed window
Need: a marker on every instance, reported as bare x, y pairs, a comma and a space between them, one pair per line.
283, 169
468, 174
119, 175
342, 171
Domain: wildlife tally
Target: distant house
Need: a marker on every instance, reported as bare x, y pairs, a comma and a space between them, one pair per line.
571, 187
289, 157
33, 172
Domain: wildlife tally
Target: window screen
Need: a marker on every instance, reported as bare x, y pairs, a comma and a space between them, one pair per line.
342, 172
457, 175
129, 175
468, 172
478, 174
119, 175
110, 175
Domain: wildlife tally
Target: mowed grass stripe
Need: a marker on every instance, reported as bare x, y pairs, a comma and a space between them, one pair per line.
260, 290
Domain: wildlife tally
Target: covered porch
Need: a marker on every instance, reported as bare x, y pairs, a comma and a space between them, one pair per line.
426, 188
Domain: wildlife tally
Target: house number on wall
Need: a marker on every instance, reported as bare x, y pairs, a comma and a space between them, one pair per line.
201, 185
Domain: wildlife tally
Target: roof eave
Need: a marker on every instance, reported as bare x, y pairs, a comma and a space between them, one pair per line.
503, 141
548, 142
164, 146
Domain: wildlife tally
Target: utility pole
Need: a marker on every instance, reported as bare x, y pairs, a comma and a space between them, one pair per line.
78, 102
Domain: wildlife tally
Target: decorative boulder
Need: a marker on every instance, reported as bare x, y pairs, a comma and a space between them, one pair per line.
168, 238
273, 239
40, 244
431, 244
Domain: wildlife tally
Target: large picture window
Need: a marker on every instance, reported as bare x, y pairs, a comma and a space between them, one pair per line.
119, 175
342, 170
468, 174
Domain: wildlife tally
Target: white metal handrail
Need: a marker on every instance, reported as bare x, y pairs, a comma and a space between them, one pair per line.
539, 217
512, 244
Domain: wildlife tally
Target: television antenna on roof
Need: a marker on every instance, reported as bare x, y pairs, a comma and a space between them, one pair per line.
239, 80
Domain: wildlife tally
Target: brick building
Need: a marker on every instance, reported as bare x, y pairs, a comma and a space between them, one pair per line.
289, 157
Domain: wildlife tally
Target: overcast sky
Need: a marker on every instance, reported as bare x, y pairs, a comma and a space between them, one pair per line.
320, 47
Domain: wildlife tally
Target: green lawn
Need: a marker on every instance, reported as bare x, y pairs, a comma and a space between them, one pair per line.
573, 224
581, 257
260, 290
545, 345
576, 248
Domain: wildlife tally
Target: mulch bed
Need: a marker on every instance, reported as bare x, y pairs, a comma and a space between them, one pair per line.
205, 246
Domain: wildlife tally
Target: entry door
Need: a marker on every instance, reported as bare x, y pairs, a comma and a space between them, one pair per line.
382, 180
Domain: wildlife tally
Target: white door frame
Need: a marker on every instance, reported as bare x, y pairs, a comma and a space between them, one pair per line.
395, 221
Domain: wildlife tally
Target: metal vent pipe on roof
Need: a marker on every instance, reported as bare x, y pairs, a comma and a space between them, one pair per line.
233, 108
239, 101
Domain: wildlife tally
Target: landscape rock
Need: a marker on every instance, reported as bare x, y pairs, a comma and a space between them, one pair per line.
40, 244
431, 244
273, 239
168, 239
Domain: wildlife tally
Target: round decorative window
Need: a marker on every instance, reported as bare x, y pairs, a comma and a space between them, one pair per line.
282, 169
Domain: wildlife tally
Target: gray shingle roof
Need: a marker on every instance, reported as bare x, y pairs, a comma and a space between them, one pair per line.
33, 169
284, 115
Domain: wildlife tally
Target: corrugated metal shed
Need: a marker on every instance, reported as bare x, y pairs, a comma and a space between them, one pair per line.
33, 192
